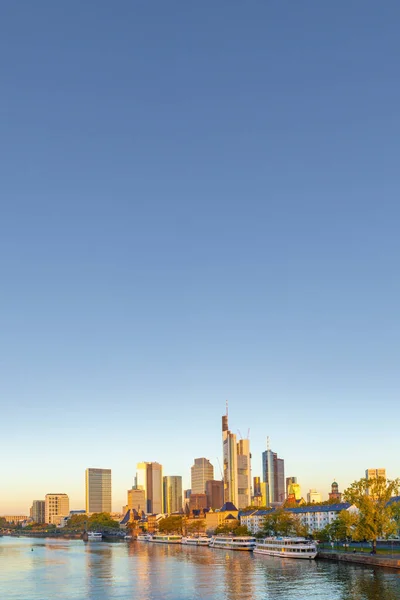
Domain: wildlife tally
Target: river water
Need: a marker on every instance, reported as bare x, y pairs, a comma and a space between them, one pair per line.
32, 569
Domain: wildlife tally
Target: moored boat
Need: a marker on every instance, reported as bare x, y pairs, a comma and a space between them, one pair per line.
192, 540
144, 537
94, 536
166, 539
229, 542
287, 547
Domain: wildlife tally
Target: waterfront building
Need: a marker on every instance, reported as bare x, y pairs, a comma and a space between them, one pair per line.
215, 493
201, 471
149, 479
273, 476
334, 494
172, 493
244, 473
136, 500
313, 497
227, 516
56, 505
314, 518
38, 511
15, 519
98, 490
236, 468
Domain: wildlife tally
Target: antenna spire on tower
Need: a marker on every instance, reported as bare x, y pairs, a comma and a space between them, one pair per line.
226, 407
268, 446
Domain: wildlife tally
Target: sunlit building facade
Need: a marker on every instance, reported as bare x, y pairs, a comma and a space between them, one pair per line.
201, 471
172, 492
56, 505
98, 490
149, 479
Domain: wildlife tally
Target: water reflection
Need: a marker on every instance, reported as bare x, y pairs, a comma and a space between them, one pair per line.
72, 570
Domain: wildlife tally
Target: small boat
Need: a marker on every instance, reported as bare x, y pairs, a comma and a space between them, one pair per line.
229, 542
94, 536
167, 539
128, 538
191, 540
287, 547
144, 537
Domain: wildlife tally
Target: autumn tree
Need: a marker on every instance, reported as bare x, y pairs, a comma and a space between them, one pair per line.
375, 514
172, 524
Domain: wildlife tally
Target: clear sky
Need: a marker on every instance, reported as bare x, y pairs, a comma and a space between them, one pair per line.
199, 202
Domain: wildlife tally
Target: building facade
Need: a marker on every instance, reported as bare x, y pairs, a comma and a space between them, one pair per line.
136, 500
229, 451
334, 494
215, 494
98, 490
244, 473
172, 493
149, 479
201, 471
56, 505
274, 477
38, 511
313, 497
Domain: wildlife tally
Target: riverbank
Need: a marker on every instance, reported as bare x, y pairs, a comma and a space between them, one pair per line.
361, 559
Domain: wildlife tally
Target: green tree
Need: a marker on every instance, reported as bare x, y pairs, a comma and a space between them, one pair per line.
77, 522
101, 521
241, 530
280, 522
172, 524
375, 517
196, 526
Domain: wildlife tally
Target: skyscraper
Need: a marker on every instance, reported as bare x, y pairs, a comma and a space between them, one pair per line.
375, 473
293, 490
229, 449
173, 500
256, 486
38, 511
98, 490
237, 467
56, 505
149, 479
201, 471
244, 473
274, 476
215, 493
136, 500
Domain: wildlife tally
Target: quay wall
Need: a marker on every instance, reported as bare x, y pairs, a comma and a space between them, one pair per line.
375, 561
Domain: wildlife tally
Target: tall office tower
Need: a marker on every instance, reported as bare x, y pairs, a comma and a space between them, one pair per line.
314, 497
229, 449
201, 471
149, 479
98, 490
136, 500
38, 511
293, 489
173, 500
56, 505
375, 473
274, 476
215, 493
256, 486
243, 473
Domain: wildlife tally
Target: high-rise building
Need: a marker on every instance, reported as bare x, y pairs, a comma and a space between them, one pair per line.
313, 497
98, 490
149, 479
375, 473
256, 486
38, 511
56, 505
215, 493
197, 502
274, 477
201, 471
173, 500
293, 489
136, 500
229, 449
244, 473
237, 467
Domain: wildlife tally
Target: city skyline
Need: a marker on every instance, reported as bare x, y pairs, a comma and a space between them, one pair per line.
197, 205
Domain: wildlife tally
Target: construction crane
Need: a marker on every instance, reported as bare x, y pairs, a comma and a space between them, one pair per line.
220, 470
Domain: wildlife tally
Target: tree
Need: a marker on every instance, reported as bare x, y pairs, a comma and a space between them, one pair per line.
172, 524
77, 522
375, 517
280, 522
101, 521
196, 526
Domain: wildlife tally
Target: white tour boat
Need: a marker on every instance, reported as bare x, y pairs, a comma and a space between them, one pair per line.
94, 536
287, 547
229, 542
192, 540
166, 539
144, 537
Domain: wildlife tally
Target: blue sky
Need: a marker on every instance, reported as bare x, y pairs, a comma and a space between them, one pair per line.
199, 202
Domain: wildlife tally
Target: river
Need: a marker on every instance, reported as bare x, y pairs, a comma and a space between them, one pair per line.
46, 569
